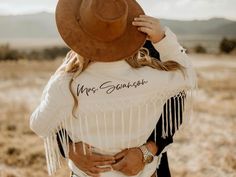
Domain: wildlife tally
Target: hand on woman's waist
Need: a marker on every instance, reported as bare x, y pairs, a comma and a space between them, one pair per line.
128, 161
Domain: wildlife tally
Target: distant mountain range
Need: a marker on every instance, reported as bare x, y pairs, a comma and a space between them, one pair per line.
42, 25
214, 26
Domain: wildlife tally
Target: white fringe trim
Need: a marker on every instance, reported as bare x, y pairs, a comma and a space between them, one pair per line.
182, 109
54, 158
183, 103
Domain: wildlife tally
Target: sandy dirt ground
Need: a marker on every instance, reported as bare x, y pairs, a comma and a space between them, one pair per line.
206, 148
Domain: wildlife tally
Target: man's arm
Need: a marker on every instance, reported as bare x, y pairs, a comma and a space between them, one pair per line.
164, 142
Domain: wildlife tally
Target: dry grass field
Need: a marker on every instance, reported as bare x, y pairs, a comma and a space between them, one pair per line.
206, 149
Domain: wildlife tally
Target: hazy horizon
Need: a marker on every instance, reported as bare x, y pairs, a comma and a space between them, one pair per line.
38, 12
213, 17
180, 9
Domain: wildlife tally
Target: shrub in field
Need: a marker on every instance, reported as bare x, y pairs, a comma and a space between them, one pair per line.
33, 55
227, 45
47, 53
200, 49
6, 53
52, 53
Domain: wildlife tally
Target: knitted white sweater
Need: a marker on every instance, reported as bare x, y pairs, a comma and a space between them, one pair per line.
119, 106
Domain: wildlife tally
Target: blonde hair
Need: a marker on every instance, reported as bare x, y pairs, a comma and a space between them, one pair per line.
138, 60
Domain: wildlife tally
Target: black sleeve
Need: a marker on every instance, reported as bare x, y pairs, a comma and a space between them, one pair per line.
163, 142
152, 51
160, 142
58, 134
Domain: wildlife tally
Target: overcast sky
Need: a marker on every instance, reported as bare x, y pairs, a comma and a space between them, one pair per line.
174, 9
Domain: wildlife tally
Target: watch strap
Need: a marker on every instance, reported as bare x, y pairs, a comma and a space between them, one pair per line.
146, 153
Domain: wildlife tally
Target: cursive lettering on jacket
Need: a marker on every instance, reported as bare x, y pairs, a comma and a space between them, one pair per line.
109, 87
82, 89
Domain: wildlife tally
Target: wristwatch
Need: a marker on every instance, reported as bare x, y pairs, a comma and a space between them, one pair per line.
147, 154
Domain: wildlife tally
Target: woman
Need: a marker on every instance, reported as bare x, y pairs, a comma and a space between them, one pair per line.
100, 96
84, 162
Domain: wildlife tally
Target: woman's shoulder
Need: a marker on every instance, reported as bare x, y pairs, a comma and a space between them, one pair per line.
60, 77
58, 84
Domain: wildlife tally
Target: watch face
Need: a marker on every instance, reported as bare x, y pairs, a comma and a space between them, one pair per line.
149, 159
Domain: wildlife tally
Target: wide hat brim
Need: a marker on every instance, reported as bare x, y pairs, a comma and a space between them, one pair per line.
86, 46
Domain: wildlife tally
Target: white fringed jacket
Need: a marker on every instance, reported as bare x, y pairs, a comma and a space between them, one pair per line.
119, 106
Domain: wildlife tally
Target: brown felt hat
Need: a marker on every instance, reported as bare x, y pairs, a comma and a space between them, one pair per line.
100, 30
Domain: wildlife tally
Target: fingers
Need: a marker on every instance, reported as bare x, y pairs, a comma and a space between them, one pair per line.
68, 62
146, 30
148, 19
121, 154
69, 55
71, 60
97, 170
147, 25
104, 163
92, 163
101, 158
143, 20
144, 24
153, 19
119, 166
92, 174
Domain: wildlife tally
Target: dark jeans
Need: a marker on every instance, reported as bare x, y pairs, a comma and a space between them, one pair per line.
163, 170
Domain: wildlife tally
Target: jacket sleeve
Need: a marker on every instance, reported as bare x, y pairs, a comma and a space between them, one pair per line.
170, 49
56, 103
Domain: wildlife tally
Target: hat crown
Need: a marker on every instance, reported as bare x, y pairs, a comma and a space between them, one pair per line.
104, 20
100, 30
